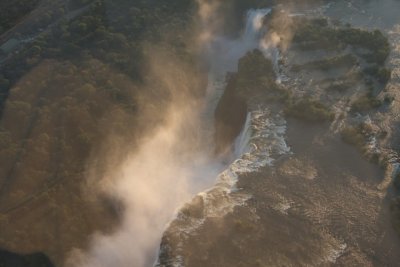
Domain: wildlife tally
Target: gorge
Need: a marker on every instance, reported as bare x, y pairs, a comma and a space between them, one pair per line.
200, 133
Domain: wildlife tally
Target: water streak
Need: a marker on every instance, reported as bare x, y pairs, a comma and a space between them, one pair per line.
261, 142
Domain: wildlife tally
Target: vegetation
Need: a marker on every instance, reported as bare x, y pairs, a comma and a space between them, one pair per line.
317, 34
396, 181
57, 116
381, 74
374, 41
255, 73
8, 259
368, 49
78, 82
230, 115
395, 212
62, 96
256, 77
340, 86
243, 226
254, 81
358, 136
13, 11
309, 110
113, 32
365, 103
395, 204
74, 4
347, 60
354, 135
254, 68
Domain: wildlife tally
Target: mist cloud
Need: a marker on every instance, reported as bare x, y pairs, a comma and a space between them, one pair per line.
209, 19
173, 161
172, 164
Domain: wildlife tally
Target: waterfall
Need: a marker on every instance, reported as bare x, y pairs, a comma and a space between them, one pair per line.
244, 137
259, 143
174, 164
224, 53
254, 23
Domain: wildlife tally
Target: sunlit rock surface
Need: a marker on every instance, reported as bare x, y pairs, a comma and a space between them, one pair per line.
318, 201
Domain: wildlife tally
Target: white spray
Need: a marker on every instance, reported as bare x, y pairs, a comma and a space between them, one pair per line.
159, 178
261, 140
225, 53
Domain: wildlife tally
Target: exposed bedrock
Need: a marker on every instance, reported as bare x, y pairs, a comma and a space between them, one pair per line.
230, 116
254, 80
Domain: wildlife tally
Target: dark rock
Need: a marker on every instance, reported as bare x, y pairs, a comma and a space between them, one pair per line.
230, 116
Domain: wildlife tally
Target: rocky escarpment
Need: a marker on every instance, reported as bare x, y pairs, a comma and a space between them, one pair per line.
230, 116
320, 204
255, 76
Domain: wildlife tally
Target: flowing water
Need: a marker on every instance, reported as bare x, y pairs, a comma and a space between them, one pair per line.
258, 145
294, 190
176, 163
302, 197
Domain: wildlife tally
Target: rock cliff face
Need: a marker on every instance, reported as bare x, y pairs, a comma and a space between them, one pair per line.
255, 79
230, 116
9, 259
323, 200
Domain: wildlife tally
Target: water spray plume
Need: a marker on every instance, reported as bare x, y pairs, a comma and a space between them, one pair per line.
174, 163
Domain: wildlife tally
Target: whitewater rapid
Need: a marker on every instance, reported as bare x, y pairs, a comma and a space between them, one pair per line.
261, 141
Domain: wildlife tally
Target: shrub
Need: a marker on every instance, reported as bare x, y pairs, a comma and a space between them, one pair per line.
395, 212
339, 86
316, 34
255, 74
396, 181
374, 41
388, 99
243, 226
347, 60
381, 74
309, 110
353, 136
384, 75
365, 103
4, 83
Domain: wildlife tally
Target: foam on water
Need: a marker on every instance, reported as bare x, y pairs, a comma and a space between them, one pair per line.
244, 137
260, 142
